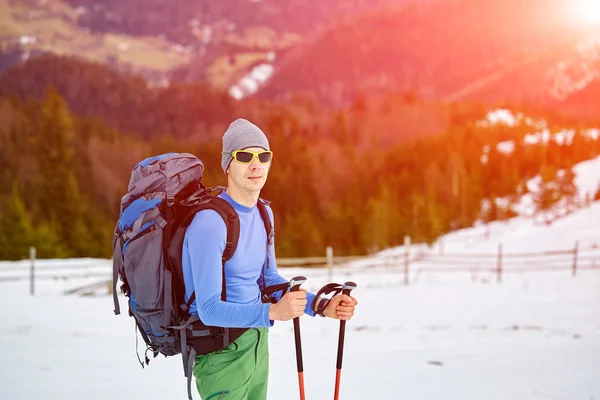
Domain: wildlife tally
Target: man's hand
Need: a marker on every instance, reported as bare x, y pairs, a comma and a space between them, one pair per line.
340, 307
290, 306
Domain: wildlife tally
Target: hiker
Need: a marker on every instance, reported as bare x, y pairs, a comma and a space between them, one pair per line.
240, 371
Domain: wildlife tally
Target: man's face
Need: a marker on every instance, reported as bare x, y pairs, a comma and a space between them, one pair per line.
250, 177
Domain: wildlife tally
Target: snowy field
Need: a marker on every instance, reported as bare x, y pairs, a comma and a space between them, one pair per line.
534, 336
454, 332
447, 335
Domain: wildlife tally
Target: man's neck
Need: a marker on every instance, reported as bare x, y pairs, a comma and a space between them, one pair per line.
243, 197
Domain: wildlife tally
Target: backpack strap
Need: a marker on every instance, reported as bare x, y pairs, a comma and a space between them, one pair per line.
262, 209
117, 264
232, 223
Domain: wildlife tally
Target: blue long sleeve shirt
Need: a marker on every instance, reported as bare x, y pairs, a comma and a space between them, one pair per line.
203, 247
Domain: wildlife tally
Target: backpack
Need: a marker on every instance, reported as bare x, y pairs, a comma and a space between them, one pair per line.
164, 194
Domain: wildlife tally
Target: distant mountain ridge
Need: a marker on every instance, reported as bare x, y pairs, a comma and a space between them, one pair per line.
176, 19
156, 37
337, 52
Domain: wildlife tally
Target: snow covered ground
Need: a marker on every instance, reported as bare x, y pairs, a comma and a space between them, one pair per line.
535, 336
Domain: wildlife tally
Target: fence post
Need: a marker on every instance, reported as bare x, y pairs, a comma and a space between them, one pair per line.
406, 257
499, 266
32, 271
575, 252
329, 254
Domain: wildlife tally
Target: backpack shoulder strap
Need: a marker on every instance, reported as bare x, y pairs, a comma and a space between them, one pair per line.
232, 225
262, 208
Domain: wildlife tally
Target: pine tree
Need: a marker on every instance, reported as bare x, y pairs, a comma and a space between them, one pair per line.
16, 232
547, 195
567, 188
437, 215
377, 230
48, 243
61, 204
300, 236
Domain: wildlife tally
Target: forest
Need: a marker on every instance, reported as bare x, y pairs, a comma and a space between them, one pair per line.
357, 178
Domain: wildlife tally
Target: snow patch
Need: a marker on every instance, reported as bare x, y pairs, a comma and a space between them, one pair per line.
498, 117
541, 133
25, 40
253, 81
571, 75
506, 147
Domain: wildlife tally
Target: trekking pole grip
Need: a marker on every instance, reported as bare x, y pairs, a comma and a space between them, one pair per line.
294, 287
296, 282
346, 289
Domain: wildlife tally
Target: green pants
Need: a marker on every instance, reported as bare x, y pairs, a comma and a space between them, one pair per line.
238, 372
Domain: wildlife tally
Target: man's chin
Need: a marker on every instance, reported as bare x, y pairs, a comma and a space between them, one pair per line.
255, 186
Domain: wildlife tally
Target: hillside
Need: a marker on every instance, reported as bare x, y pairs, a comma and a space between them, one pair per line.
188, 110
492, 52
183, 21
443, 49
565, 78
124, 101
585, 102
209, 41
30, 28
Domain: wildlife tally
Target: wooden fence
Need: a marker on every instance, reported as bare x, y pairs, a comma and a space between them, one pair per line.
56, 269
499, 263
407, 261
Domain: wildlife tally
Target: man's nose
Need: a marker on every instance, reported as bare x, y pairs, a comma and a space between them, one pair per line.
255, 163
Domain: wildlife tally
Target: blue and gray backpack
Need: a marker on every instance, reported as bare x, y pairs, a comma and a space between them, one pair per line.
164, 194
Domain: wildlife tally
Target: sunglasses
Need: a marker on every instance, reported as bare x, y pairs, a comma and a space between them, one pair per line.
246, 157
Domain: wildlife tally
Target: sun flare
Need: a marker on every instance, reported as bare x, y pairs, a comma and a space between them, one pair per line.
587, 11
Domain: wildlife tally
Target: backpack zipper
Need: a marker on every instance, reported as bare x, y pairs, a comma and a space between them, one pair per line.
146, 231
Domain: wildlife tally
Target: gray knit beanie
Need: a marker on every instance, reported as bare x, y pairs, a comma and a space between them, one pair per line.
241, 134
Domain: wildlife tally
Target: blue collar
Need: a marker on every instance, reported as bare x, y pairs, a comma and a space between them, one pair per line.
237, 206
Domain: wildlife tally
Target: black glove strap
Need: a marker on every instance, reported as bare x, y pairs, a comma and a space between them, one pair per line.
322, 305
334, 288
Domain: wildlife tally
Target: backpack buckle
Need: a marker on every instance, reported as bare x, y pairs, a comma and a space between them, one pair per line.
170, 199
219, 331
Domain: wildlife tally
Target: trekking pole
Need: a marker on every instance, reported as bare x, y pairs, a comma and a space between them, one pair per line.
346, 289
294, 287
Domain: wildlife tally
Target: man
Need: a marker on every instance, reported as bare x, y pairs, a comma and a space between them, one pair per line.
240, 371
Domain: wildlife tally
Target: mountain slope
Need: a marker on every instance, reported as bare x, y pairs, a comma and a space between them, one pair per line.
123, 101
584, 103
155, 37
177, 18
434, 48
